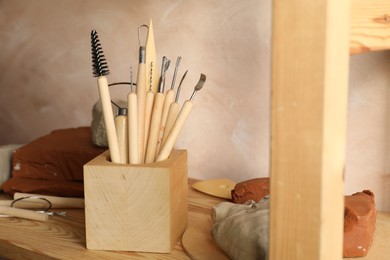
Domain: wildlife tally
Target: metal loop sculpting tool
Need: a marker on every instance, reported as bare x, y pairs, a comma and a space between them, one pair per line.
133, 125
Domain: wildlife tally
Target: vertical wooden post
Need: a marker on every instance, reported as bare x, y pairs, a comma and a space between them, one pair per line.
309, 104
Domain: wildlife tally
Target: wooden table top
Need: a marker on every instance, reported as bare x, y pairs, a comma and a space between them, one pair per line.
64, 237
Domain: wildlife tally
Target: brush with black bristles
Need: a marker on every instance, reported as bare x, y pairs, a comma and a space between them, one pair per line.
100, 70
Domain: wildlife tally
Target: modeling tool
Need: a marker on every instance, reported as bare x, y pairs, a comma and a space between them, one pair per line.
56, 201
23, 213
121, 132
179, 123
151, 150
169, 98
100, 70
148, 114
133, 124
221, 188
174, 109
151, 60
141, 96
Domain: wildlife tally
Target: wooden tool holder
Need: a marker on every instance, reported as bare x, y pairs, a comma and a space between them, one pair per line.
135, 207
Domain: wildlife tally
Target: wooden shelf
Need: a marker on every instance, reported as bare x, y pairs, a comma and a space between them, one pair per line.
64, 237
370, 26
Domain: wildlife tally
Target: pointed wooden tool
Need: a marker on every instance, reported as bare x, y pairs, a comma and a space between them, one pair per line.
220, 188
151, 60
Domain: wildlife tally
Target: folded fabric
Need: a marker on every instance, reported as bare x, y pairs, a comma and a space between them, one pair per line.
241, 230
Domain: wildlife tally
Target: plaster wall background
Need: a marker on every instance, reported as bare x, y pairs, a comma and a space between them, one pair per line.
46, 80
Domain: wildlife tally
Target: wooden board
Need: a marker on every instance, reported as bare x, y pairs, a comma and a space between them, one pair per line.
199, 244
370, 26
310, 58
64, 237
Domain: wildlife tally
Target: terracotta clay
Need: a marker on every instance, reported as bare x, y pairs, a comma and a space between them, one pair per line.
359, 223
359, 216
53, 164
254, 189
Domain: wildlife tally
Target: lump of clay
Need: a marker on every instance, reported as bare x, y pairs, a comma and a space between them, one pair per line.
98, 129
241, 230
359, 223
99, 135
254, 189
53, 164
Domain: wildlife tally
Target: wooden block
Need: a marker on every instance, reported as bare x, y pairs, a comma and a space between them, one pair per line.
136, 207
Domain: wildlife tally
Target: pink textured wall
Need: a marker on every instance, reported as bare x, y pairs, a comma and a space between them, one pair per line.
46, 80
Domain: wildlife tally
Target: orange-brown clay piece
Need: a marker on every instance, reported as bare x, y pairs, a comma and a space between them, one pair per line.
254, 189
359, 223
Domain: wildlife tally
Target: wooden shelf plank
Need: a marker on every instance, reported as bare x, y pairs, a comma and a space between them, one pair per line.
308, 124
369, 26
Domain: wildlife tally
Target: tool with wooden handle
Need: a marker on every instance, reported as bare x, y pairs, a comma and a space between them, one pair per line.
179, 123
174, 109
133, 124
154, 127
56, 202
141, 96
121, 132
151, 151
169, 98
148, 117
100, 70
151, 60
23, 213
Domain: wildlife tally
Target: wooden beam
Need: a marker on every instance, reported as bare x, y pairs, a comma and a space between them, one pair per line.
310, 58
370, 26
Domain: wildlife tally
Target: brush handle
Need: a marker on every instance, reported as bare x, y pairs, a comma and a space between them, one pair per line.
23, 213
169, 98
121, 132
141, 99
148, 116
177, 126
154, 128
174, 109
133, 128
56, 202
109, 120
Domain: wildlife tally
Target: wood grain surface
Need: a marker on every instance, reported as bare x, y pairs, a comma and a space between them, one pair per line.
369, 29
64, 237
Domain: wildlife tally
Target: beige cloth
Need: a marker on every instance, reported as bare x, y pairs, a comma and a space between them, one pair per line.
241, 230
6, 152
